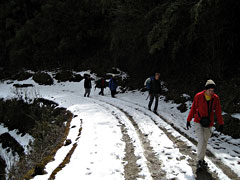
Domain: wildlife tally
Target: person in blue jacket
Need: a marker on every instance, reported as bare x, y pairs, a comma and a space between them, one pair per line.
113, 85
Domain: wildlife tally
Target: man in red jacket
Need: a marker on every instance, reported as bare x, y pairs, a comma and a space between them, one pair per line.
205, 104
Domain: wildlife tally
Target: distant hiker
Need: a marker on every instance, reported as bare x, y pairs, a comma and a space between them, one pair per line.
204, 105
113, 85
155, 90
101, 83
87, 85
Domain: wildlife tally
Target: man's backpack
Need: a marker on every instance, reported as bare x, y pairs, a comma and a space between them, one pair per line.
147, 82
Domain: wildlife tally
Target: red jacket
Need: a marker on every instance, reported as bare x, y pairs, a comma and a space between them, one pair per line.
200, 105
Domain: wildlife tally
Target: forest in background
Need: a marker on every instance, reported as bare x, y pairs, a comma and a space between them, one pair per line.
186, 41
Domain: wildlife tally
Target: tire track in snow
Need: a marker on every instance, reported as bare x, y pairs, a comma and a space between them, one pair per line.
173, 171
211, 159
217, 168
186, 150
139, 157
153, 163
131, 168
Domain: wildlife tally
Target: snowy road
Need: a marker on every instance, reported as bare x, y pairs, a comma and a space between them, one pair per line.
118, 138
157, 151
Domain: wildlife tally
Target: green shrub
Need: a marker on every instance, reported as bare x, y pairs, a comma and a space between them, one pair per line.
230, 124
77, 78
43, 78
63, 76
18, 115
8, 141
42, 120
21, 76
2, 168
39, 169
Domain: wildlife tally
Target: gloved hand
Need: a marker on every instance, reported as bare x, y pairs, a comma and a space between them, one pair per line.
188, 125
220, 129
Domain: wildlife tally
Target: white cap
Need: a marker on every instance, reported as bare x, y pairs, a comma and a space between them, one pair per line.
210, 84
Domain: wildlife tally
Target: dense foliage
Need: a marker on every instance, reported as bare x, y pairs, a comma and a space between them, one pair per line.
179, 37
43, 120
187, 41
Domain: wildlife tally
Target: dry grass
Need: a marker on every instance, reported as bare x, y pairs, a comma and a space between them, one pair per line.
31, 173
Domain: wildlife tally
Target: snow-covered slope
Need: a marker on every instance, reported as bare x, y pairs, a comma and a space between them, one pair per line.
121, 139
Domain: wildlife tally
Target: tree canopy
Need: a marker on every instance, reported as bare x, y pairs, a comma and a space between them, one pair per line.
199, 37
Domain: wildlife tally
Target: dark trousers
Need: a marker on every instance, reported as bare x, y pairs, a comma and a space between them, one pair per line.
101, 92
113, 92
87, 92
152, 96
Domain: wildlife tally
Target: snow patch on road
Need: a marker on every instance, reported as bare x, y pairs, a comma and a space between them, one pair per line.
100, 150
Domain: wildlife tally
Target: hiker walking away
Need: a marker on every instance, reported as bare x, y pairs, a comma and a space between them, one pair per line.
204, 105
154, 92
87, 85
113, 85
101, 84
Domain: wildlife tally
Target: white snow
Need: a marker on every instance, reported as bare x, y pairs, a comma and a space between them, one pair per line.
6, 154
162, 145
100, 148
186, 96
24, 141
99, 144
236, 115
9, 157
222, 146
120, 73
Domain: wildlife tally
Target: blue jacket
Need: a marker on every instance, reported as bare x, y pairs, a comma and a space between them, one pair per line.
113, 84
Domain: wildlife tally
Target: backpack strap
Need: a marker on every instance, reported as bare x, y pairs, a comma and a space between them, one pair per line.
209, 109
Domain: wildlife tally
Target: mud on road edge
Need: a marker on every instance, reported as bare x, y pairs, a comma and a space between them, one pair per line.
68, 156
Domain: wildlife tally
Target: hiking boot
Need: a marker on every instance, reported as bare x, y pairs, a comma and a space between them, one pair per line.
149, 108
199, 165
155, 112
204, 163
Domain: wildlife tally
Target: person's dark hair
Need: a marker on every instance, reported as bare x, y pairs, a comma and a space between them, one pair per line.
210, 86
